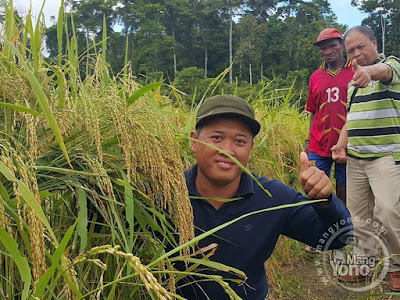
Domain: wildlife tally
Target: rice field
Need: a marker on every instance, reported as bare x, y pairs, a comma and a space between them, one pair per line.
92, 173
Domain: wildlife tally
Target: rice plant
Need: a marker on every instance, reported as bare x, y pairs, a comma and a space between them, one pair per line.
92, 192
83, 166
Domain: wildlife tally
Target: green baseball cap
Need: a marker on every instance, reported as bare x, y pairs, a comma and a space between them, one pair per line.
227, 105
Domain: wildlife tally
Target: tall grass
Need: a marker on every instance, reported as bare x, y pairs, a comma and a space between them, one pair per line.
91, 191
82, 168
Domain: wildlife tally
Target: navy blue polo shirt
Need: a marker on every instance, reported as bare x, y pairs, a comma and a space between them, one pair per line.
248, 243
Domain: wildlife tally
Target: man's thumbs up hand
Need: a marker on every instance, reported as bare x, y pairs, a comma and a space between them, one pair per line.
361, 77
304, 163
314, 181
354, 65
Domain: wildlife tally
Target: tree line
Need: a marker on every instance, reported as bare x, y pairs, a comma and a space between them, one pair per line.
259, 38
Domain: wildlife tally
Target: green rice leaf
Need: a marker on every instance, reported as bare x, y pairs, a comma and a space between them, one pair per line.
29, 199
43, 281
60, 21
215, 229
215, 199
82, 219
21, 109
130, 208
211, 264
10, 206
67, 171
21, 262
9, 28
140, 92
36, 41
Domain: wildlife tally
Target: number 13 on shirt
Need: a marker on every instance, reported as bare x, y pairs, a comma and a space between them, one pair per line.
333, 94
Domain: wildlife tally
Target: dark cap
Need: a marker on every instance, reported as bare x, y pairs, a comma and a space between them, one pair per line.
227, 105
327, 34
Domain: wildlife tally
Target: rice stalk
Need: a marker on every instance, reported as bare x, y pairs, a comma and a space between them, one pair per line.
150, 151
142, 272
31, 135
3, 218
106, 187
16, 158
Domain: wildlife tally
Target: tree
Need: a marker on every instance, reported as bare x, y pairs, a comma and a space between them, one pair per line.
212, 30
88, 15
249, 50
261, 9
228, 9
271, 37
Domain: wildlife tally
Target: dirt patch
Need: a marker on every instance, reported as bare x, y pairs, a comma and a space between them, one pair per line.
304, 279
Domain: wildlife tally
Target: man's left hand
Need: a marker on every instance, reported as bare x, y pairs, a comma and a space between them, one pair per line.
314, 181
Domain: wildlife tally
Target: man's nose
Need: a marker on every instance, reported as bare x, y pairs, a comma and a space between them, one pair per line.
356, 53
228, 147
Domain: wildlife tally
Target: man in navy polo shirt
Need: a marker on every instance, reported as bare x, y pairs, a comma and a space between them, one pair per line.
228, 122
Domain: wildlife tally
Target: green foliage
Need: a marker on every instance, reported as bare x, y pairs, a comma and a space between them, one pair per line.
187, 79
274, 37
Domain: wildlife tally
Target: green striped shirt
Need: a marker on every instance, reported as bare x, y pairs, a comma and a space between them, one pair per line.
373, 121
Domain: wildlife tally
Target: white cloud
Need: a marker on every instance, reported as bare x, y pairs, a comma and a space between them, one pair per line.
50, 9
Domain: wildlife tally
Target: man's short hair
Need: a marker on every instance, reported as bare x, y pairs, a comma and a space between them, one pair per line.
366, 30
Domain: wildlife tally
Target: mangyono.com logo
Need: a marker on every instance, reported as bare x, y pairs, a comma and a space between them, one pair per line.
362, 260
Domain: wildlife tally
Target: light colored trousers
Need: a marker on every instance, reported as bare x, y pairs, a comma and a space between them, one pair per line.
373, 196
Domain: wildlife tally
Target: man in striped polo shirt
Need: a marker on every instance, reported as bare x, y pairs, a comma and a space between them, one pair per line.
373, 147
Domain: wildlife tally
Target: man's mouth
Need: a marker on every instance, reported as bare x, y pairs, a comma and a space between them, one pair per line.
225, 164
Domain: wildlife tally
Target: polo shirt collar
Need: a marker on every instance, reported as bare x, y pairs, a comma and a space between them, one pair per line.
246, 185
381, 58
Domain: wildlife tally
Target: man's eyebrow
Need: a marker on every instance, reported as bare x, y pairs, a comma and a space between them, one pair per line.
217, 131
222, 132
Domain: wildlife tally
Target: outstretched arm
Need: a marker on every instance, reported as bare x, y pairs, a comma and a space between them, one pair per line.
364, 74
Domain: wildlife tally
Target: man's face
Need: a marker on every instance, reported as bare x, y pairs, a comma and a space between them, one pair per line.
230, 135
331, 50
361, 48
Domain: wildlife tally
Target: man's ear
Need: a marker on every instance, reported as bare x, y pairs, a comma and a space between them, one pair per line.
193, 143
375, 42
252, 146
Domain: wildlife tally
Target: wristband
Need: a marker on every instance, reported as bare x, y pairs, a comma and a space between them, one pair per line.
307, 140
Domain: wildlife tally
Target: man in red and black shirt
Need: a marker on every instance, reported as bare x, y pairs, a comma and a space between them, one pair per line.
327, 103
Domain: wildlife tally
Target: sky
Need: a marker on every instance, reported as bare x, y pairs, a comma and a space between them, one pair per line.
50, 8
345, 13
